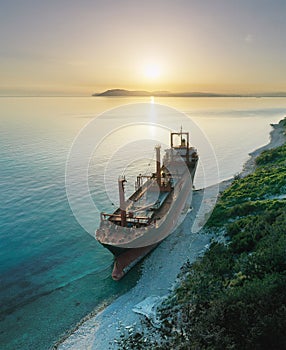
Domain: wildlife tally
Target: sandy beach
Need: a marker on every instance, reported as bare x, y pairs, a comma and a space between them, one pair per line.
160, 268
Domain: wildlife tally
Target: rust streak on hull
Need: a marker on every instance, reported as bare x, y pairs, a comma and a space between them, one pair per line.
128, 259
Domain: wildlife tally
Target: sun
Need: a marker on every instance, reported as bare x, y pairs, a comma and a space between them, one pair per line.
152, 71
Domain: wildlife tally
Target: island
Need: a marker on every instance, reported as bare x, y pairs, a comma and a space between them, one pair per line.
143, 93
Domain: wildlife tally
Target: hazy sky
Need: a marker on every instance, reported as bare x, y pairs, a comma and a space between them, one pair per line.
86, 46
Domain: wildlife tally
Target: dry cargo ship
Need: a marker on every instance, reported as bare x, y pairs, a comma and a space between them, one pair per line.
154, 210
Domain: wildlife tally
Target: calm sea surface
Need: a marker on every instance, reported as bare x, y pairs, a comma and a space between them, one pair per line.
53, 272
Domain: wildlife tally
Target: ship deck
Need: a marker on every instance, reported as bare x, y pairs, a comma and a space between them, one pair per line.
144, 205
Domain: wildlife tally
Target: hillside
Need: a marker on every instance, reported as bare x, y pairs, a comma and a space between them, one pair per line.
142, 93
233, 297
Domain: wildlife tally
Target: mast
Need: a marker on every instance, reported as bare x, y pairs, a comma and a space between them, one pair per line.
158, 165
183, 145
121, 181
188, 147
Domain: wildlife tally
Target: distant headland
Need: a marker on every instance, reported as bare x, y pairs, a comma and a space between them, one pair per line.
142, 93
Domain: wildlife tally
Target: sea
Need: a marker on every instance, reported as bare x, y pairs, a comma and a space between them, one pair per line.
60, 161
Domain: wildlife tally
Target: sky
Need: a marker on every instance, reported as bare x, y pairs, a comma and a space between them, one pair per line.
79, 47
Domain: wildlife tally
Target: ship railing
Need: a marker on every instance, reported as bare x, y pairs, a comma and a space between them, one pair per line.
113, 234
117, 234
143, 220
106, 216
146, 222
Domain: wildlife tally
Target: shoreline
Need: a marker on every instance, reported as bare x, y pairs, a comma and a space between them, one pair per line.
99, 329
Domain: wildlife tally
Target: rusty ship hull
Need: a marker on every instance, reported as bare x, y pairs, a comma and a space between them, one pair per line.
153, 211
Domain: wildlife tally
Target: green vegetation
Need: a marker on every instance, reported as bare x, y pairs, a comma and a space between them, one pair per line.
256, 192
234, 296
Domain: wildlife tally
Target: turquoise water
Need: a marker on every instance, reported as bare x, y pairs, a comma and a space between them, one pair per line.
53, 272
